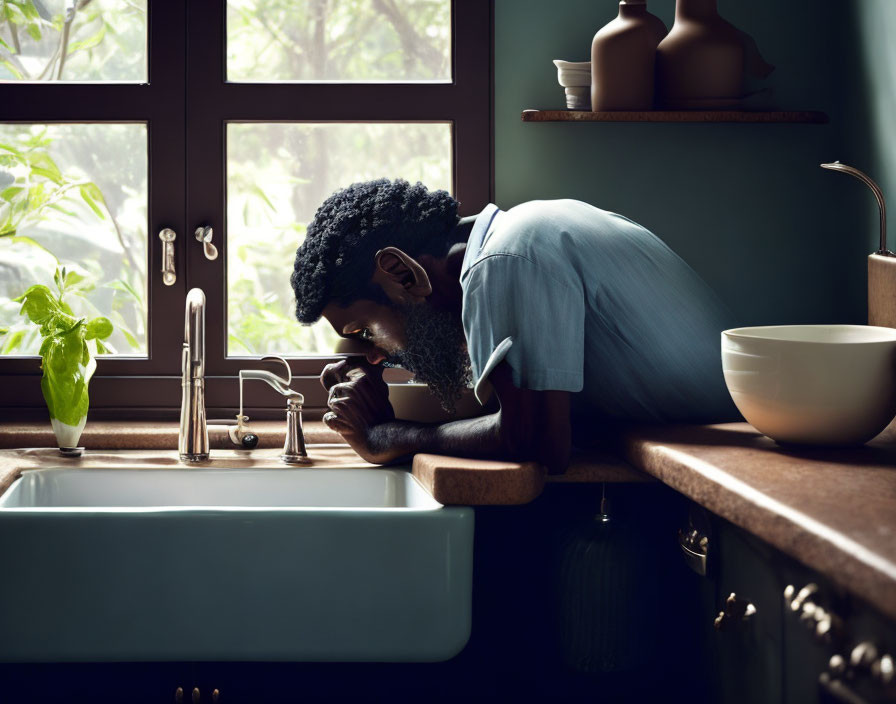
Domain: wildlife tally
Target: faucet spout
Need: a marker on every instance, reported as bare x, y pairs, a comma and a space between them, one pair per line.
193, 437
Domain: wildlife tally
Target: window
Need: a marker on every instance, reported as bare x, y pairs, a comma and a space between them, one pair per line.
239, 115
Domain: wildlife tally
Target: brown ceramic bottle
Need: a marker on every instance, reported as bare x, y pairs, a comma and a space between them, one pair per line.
622, 59
704, 60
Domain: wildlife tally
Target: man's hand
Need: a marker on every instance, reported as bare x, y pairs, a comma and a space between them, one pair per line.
358, 401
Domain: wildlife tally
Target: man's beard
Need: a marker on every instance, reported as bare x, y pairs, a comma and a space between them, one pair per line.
436, 352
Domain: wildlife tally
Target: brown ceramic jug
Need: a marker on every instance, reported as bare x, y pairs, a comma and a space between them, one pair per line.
704, 60
622, 59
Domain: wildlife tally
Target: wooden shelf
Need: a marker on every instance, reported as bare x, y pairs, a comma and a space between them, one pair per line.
793, 116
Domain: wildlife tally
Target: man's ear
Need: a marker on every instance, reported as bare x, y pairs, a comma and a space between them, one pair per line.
400, 276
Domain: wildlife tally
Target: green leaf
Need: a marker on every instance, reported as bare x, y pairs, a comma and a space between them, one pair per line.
88, 43
34, 31
73, 278
42, 165
12, 69
29, 10
14, 14
256, 189
125, 287
95, 192
13, 341
88, 198
11, 192
132, 341
38, 304
99, 328
59, 208
5, 45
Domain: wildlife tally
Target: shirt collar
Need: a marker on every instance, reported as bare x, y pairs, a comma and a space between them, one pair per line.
478, 235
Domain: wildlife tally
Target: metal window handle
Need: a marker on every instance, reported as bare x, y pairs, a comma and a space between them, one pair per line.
204, 234
169, 276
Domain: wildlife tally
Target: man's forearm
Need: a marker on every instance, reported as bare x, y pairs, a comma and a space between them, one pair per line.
472, 437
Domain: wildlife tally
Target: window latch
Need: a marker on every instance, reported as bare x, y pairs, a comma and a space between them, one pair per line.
204, 234
169, 276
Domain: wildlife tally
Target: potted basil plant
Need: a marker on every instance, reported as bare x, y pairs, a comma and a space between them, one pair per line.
67, 352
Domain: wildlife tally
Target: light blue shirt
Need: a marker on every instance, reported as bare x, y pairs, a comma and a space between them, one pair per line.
578, 299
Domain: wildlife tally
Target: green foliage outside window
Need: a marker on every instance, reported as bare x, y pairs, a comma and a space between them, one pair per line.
87, 211
41, 204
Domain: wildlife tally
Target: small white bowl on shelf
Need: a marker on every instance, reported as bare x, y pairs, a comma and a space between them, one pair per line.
573, 74
832, 385
575, 77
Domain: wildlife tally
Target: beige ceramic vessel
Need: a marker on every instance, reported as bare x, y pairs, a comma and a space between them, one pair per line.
622, 59
704, 61
813, 384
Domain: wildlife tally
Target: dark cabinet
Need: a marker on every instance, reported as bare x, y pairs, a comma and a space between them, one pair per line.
780, 632
748, 643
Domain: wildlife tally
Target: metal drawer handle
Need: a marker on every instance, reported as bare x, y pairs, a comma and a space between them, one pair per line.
169, 276
695, 546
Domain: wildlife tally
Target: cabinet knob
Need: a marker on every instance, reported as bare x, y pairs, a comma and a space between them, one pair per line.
795, 599
863, 655
884, 670
837, 665
825, 624
736, 611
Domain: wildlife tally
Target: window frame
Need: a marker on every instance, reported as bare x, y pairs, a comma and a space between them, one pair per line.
187, 104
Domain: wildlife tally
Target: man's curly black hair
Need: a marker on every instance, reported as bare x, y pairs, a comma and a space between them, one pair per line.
335, 262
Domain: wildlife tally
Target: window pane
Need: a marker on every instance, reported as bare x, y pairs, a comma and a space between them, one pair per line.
61, 40
339, 40
74, 196
277, 177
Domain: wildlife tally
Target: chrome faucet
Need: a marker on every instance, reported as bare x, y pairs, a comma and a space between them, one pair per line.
193, 438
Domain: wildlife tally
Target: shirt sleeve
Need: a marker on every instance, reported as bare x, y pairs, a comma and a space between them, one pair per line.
516, 311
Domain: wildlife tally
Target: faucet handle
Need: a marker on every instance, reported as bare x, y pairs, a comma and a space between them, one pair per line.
275, 358
294, 451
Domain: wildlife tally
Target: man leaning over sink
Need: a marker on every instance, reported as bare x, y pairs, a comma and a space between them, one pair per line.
555, 311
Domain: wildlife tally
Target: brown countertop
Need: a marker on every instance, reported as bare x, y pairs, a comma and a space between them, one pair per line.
832, 509
450, 480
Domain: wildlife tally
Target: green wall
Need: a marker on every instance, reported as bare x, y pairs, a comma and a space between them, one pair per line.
747, 206
872, 100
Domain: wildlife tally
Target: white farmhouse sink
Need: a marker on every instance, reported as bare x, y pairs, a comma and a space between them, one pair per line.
238, 564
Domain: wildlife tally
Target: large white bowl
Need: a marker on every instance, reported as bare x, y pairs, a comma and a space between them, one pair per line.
813, 384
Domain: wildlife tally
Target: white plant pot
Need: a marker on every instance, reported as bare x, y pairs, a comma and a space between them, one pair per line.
68, 435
